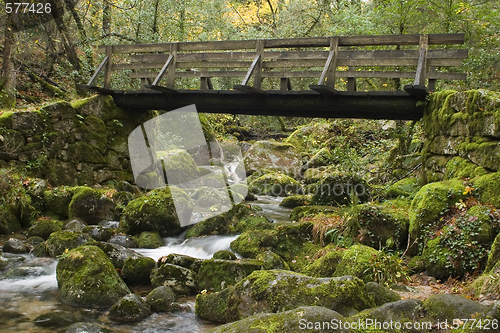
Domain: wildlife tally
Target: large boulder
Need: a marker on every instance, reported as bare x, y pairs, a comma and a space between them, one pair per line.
86, 277
311, 318
277, 291
43, 228
136, 270
129, 308
271, 155
117, 254
182, 260
180, 279
91, 205
275, 184
488, 188
216, 274
450, 306
161, 298
156, 211
62, 241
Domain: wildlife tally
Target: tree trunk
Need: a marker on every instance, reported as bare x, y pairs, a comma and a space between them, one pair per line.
83, 34
155, 18
106, 18
69, 47
8, 75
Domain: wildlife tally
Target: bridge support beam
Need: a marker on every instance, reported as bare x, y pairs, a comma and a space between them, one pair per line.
397, 105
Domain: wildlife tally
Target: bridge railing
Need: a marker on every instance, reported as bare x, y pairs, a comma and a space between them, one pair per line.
323, 58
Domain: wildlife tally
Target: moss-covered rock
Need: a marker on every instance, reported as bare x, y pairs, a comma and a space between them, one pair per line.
459, 167
306, 211
272, 260
86, 277
180, 279
325, 265
117, 254
14, 245
224, 255
401, 311
277, 291
98, 233
311, 318
43, 228
356, 261
61, 241
149, 240
430, 202
182, 260
123, 240
160, 299
337, 189
239, 218
216, 274
180, 166
275, 184
75, 224
136, 270
450, 306
307, 138
91, 205
8, 220
57, 201
380, 294
488, 188
129, 308
406, 187
156, 211
271, 155
493, 255
293, 201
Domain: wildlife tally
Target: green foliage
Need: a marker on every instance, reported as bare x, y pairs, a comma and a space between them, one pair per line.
387, 268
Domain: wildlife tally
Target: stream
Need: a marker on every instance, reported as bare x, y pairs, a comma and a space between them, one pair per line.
22, 300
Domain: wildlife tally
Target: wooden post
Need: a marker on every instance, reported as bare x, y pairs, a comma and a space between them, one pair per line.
257, 80
206, 83
422, 61
351, 81
432, 82
334, 45
285, 83
109, 67
171, 66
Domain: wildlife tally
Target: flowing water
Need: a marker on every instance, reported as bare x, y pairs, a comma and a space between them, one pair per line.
22, 300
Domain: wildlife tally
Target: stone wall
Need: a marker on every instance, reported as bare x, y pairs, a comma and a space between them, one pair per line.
462, 134
85, 142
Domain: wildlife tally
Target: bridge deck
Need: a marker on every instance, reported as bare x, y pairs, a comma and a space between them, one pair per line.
286, 60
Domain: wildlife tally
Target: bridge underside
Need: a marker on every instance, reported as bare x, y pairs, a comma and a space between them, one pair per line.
396, 105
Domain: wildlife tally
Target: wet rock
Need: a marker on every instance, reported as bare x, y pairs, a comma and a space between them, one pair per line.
224, 255
91, 205
75, 224
216, 274
129, 308
109, 224
60, 241
150, 240
277, 291
86, 277
117, 254
180, 279
136, 271
87, 328
58, 318
182, 260
292, 321
160, 299
123, 240
273, 155
37, 267
43, 228
157, 212
14, 245
98, 233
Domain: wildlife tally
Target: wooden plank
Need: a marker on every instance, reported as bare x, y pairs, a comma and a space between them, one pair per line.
285, 83
417, 91
334, 46
257, 80
326, 68
422, 61
432, 82
109, 67
323, 89
374, 40
99, 69
248, 89
351, 80
251, 70
163, 70
171, 68
162, 89
206, 83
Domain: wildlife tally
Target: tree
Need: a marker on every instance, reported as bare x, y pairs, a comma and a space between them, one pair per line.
8, 74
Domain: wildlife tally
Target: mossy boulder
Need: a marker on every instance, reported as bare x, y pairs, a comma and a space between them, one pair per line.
487, 188
129, 308
493, 255
308, 138
91, 205
275, 184
272, 155
57, 201
239, 218
117, 254
180, 279
277, 291
123, 240
182, 260
8, 220
355, 261
224, 255
75, 224
43, 228
459, 167
14, 245
428, 205
137, 270
61, 241
406, 187
99, 233
325, 265
338, 188
380, 294
450, 306
149, 240
401, 311
292, 321
160, 299
307, 211
86, 277
217, 274
157, 212
180, 166
297, 200
272, 260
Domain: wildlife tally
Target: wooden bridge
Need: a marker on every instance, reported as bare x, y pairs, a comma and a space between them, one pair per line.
150, 72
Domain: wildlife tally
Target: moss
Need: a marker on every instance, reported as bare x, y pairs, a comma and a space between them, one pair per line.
136, 270
274, 156
337, 188
406, 187
129, 308
272, 260
61, 241
355, 261
6, 119
305, 211
488, 188
160, 299
224, 255
86, 277
430, 202
296, 200
149, 240
450, 306
494, 255
308, 138
84, 152
8, 220
91, 205
180, 279
43, 228
459, 167
325, 265
276, 184
216, 274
